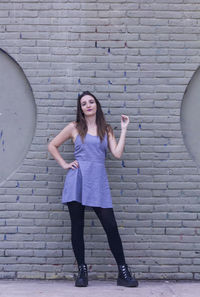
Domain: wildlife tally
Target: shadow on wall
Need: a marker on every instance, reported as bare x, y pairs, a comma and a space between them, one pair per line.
17, 115
190, 117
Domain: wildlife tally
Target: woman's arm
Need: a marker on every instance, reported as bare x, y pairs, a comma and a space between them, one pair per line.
118, 148
53, 146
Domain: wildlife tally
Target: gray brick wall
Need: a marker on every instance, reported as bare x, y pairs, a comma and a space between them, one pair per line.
137, 56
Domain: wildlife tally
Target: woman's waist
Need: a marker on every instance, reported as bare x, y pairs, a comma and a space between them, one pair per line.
90, 160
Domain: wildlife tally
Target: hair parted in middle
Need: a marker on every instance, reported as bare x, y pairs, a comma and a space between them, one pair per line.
81, 124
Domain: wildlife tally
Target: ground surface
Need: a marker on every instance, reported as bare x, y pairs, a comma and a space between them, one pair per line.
61, 288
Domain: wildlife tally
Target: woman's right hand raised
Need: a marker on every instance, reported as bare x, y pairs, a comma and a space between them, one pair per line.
72, 165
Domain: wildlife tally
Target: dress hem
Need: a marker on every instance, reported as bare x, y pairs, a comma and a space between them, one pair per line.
65, 203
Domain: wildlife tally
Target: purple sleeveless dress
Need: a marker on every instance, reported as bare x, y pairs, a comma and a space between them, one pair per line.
88, 184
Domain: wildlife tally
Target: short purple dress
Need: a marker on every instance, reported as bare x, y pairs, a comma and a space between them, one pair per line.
88, 184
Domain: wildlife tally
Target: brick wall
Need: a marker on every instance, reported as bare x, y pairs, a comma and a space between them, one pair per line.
137, 56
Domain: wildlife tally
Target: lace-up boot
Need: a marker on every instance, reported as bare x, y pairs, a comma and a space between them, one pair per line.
82, 278
124, 277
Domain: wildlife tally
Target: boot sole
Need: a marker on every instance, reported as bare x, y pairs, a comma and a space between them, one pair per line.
124, 284
81, 284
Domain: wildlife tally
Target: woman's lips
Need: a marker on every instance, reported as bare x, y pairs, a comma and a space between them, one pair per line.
89, 109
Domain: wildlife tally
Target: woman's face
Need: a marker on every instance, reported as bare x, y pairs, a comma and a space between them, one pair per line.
88, 105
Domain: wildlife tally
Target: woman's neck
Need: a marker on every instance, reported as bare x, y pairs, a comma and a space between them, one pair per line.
91, 122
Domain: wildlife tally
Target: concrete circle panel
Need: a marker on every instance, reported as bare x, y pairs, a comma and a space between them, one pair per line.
17, 115
190, 117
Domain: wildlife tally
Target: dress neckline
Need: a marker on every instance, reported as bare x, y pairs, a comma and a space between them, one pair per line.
92, 135
86, 134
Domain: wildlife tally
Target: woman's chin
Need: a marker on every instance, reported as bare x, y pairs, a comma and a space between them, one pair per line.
89, 114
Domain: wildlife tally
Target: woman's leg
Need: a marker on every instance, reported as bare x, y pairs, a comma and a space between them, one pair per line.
108, 221
76, 211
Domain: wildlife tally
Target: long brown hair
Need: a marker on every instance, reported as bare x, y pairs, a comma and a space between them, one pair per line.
81, 125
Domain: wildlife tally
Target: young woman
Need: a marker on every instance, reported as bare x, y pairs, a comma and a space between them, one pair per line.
87, 183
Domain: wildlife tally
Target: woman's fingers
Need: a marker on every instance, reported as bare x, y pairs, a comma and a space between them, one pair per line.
125, 119
74, 164
125, 116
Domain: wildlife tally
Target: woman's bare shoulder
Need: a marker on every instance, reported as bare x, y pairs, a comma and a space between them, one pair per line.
67, 132
74, 130
71, 125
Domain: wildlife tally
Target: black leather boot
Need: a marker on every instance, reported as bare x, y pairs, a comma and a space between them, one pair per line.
124, 277
82, 278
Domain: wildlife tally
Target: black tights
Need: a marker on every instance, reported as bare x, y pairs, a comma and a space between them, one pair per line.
107, 219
